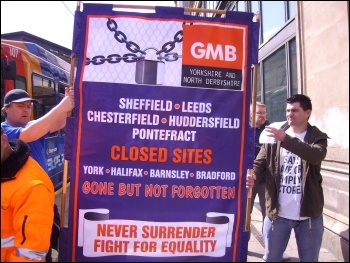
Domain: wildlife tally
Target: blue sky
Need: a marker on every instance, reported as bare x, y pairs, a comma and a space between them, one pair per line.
51, 20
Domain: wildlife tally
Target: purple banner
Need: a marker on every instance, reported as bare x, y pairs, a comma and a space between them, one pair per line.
161, 139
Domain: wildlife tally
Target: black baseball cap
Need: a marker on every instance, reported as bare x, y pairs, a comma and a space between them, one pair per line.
17, 95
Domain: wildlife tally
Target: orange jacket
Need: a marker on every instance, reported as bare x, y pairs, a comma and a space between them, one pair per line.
27, 198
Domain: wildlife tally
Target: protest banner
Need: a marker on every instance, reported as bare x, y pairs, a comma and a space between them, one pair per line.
160, 140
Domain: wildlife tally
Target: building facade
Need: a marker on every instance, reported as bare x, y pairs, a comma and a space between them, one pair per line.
304, 48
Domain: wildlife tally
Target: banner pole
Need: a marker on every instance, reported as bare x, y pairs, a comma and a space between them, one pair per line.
253, 121
250, 171
66, 162
186, 9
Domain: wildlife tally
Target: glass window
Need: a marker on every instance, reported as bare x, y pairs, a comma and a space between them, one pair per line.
235, 8
258, 88
44, 92
62, 89
293, 66
241, 6
212, 4
44, 83
231, 6
20, 83
291, 9
275, 84
254, 8
272, 18
258, 84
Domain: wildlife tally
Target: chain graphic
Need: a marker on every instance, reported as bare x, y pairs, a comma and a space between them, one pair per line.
137, 54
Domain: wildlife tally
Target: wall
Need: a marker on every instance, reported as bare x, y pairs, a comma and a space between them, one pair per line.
323, 47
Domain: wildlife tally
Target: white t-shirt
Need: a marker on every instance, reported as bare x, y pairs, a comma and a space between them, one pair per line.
290, 185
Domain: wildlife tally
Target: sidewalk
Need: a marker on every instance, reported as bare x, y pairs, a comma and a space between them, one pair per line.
256, 244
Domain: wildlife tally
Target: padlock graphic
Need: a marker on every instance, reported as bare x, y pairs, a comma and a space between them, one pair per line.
150, 70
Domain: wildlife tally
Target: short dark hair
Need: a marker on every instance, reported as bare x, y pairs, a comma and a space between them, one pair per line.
305, 101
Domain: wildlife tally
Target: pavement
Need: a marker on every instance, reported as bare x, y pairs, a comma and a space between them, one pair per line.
255, 245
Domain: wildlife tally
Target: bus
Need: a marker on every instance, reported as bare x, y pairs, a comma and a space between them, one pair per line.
27, 66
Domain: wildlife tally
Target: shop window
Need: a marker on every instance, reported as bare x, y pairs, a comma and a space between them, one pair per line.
275, 85
291, 9
272, 18
293, 66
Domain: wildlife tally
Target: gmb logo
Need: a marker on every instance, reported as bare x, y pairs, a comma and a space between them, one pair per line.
214, 52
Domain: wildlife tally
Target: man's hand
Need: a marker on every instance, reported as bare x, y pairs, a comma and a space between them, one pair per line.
68, 100
69, 91
278, 134
250, 180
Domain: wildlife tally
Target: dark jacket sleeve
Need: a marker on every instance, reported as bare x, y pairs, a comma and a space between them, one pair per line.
314, 152
259, 165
